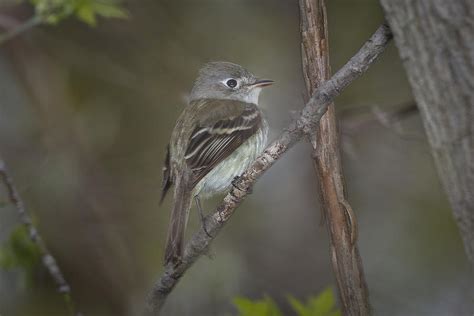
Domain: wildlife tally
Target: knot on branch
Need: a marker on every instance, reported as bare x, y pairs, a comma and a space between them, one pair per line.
223, 213
240, 189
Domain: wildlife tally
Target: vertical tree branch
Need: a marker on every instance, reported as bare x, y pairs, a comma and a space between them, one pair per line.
47, 258
339, 216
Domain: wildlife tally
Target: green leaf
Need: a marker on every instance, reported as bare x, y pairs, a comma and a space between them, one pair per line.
109, 10
54, 11
323, 304
86, 14
19, 252
263, 307
299, 307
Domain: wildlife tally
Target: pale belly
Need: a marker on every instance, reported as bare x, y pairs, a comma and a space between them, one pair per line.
220, 178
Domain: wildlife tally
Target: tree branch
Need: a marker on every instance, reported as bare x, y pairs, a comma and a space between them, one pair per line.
340, 218
308, 120
21, 28
47, 258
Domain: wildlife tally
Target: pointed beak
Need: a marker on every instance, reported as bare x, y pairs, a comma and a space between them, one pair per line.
262, 83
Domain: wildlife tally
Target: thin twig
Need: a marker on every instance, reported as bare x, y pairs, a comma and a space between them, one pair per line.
47, 258
355, 120
25, 26
307, 121
390, 117
8, 22
337, 212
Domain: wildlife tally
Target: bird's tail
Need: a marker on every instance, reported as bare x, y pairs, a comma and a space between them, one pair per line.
178, 221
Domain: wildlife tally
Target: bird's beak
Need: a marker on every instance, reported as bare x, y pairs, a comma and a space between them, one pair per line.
262, 83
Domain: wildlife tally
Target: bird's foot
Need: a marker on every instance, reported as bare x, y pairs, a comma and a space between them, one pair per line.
234, 184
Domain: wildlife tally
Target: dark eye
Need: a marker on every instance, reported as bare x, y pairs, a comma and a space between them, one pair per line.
231, 83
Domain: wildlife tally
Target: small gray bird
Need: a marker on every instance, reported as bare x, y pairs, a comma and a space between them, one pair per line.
215, 139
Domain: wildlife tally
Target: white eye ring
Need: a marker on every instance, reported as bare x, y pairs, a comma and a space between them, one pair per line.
231, 83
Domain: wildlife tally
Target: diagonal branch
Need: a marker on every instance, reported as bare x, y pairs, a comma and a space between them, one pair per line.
307, 121
47, 258
20, 29
340, 219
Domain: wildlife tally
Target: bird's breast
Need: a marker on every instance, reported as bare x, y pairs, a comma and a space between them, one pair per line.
219, 179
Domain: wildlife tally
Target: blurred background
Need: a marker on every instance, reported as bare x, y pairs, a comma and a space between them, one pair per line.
85, 116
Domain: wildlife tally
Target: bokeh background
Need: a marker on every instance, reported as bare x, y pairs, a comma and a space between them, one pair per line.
85, 116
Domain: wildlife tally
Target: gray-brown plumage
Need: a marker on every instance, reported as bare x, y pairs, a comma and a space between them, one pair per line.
215, 138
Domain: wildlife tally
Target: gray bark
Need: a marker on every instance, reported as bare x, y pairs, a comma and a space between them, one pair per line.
435, 40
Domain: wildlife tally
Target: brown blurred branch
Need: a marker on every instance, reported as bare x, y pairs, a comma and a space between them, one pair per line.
307, 121
390, 117
47, 258
340, 218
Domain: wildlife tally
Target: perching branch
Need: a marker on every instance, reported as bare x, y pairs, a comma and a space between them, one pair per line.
47, 258
307, 121
338, 214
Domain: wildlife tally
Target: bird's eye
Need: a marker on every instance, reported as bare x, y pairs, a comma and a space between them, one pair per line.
231, 83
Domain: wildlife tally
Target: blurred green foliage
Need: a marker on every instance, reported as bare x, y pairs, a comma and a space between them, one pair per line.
87, 11
19, 252
323, 304
263, 307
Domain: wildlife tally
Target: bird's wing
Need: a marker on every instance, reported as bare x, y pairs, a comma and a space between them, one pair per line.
167, 180
213, 141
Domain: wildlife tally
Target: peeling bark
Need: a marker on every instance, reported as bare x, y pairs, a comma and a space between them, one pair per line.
339, 216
